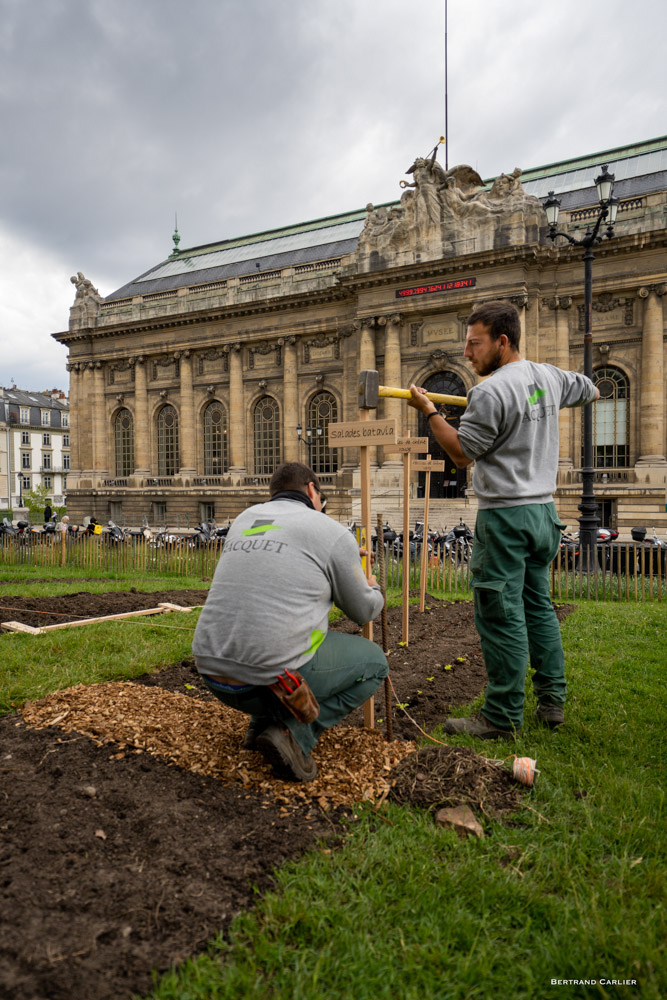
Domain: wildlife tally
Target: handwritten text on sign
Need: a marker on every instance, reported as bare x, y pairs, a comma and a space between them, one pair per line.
360, 432
409, 446
428, 465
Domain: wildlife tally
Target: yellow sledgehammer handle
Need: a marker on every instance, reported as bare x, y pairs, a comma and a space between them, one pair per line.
437, 397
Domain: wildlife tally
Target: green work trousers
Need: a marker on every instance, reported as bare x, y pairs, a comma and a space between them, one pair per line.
511, 555
345, 671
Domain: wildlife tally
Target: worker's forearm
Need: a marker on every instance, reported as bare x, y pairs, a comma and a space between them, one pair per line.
448, 438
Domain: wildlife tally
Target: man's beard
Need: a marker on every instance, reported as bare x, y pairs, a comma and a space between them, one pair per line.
493, 364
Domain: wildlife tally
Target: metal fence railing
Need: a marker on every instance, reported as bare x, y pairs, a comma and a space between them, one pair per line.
614, 572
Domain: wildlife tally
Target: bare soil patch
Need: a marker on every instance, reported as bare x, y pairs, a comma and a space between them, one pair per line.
134, 828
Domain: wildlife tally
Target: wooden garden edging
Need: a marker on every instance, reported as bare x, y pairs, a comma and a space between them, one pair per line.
30, 630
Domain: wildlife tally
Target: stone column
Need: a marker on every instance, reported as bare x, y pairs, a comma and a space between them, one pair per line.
142, 431
652, 423
237, 428
290, 400
528, 338
560, 304
187, 424
86, 418
367, 360
74, 473
100, 426
393, 376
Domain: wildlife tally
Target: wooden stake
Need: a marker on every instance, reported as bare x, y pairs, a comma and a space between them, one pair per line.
406, 549
422, 575
367, 630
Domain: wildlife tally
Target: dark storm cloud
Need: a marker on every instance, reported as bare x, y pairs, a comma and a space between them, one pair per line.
243, 115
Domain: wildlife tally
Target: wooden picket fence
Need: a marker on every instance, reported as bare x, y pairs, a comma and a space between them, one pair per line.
178, 556
619, 572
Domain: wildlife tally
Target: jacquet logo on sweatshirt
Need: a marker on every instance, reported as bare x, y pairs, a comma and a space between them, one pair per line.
535, 394
261, 527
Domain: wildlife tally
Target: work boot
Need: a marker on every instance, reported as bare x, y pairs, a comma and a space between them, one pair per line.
478, 725
550, 714
255, 727
285, 756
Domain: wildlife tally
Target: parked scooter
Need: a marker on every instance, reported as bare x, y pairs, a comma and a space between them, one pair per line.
114, 535
7, 529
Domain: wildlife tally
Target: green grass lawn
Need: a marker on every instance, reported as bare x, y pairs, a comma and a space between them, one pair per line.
572, 888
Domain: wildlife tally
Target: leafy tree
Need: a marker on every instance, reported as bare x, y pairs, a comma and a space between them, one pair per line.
35, 500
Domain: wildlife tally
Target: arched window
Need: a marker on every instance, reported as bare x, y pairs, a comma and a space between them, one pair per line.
452, 482
215, 439
167, 441
322, 410
611, 417
267, 436
124, 441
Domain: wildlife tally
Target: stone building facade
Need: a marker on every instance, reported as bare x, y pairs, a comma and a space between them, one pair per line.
188, 385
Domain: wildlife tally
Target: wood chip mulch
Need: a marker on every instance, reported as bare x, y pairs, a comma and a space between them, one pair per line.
205, 737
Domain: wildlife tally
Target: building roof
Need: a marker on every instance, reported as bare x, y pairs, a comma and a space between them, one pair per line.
24, 397
639, 169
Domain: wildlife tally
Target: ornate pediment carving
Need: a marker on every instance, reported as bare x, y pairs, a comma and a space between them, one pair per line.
446, 213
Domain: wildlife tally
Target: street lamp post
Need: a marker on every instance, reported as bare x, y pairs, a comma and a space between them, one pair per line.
308, 440
19, 476
589, 521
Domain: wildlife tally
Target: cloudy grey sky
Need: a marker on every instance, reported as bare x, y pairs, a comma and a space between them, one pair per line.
245, 115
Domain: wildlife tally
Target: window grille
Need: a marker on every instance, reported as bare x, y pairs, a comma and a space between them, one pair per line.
452, 482
167, 441
64, 419
25, 415
207, 512
124, 439
267, 436
25, 437
46, 418
215, 439
46, 460
46, 482
611, 416
46, 439
322, 410
66, 460
25, 460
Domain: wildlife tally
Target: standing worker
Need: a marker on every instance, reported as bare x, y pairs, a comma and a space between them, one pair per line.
47, 512
266, 618
510, 430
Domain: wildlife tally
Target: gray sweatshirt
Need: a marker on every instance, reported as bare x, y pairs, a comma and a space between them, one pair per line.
282, 565
510, 428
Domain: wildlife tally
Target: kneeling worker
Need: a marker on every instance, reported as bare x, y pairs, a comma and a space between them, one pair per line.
266, 616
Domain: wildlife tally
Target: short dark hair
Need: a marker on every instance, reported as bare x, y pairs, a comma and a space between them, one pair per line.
501, 317
292, 476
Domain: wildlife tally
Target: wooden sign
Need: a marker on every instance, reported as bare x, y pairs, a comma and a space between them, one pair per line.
409, 446
363, 432
428, 465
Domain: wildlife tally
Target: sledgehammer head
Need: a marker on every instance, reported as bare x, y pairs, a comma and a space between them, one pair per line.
369, 385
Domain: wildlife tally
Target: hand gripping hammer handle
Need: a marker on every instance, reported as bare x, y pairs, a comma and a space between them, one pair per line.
370, 390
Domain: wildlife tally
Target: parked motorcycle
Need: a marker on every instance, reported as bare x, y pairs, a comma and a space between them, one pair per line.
458, 544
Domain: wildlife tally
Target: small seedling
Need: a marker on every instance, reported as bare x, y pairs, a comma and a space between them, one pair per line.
430, 678
448, 666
